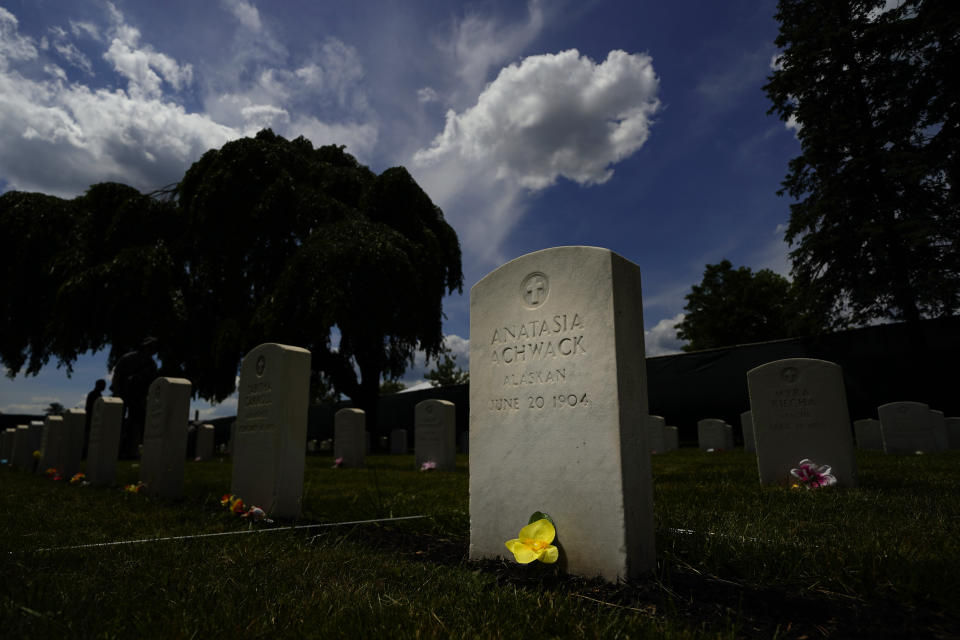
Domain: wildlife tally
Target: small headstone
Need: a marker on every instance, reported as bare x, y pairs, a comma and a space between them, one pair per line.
326, 444
746, 425
165, 437
939, 425
206, 436
51, 443
867, 432
558, 394
6, 444
312, 445
712, 434
398, 441
350, 437
35, 434
728, 436
799, 410
656, 437
671, 437
22, 456
435, 434
953, 433
104, 444
906, 427
268, 453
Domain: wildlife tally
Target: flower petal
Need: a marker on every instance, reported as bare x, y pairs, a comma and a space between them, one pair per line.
549, 555
541, 531
523, 553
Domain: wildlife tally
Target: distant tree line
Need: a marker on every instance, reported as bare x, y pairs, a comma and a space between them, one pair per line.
874, 95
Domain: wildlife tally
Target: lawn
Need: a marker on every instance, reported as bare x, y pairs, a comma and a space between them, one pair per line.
734, 559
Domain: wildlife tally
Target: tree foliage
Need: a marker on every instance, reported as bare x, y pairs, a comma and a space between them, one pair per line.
737, 306
446, 373
876, 97
263, 240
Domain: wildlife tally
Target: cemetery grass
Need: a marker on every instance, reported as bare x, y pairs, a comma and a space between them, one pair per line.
734, 559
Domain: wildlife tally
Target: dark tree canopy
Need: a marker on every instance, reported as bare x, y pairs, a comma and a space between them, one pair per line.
264, 240
737, 306
876, 96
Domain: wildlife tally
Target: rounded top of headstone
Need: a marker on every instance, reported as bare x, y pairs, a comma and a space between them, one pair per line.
789, 370
53, 419
903, 406
533, 286
350, 411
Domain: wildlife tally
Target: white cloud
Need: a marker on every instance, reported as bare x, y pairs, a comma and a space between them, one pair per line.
479, 44
427, 95
144, 68
546, 117
662, 339
245, 12
13, 46
69, 51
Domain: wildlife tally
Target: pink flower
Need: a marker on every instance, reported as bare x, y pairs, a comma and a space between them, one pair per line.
429, 465
813, 476
338, 462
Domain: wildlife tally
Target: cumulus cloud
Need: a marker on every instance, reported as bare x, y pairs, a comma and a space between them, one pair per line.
75, 136
548, 116
69, 51
662, 339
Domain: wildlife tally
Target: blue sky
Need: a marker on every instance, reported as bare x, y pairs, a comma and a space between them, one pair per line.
639, 126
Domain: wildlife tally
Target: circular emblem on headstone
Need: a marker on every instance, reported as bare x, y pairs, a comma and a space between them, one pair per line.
261, 365
789, 375
534, 290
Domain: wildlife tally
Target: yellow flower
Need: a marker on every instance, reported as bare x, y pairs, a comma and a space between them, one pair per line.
533, 543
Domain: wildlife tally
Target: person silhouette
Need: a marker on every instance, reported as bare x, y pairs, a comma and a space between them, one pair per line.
132, 376
97, 392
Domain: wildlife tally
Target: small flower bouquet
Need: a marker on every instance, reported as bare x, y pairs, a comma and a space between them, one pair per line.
135, 488
78, 478
810, 475
53, 474
337, 462
429, 465
236, 505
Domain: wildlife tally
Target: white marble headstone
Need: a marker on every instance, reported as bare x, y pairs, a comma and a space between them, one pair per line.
104, 446
22, 455
746, 425
6, 443
398, 441
435, 434
712, 434
205, 441
939, 424
270, 441
799, 410
953, 433
51, 443
867, 432
906, 427
656, 434
558, 403
671, 436
350, 437
165, 437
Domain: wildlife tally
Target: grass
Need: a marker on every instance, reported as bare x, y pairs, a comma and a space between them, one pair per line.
734, 559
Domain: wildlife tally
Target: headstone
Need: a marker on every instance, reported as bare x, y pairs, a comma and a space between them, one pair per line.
36, 435
398, 441
746, 425
435, 434
953, 433
165, 437
656, 437
6, 444
51, 443
671, 437
206, 435
312, 445
867, 432
939, 425
104, 444
906, 427
268, 449
712, 434
799, 410
350, 437
558, 397
22, 456
326, 444
728, 436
